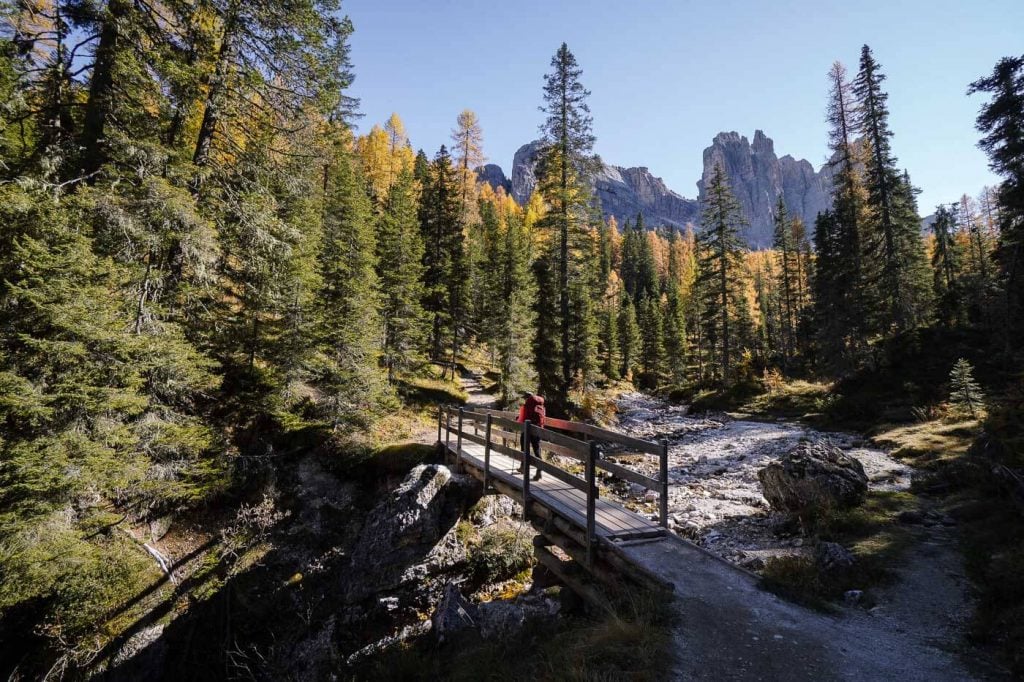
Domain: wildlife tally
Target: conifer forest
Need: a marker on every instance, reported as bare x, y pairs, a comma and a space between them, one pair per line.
231, 306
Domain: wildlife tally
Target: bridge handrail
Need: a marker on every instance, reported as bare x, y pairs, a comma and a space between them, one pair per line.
561, 444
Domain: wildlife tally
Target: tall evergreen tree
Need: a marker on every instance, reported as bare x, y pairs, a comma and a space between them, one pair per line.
652, 342
675, 314
346, 368
720, 271
566, 161
788, 279
946, 266
1002, 122
629, 338
445, 265
399, 274
841, 292
893, 226
513, 310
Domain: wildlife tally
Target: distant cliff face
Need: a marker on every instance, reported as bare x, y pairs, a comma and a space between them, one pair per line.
757, 177
624, 192
756, 174
494, 176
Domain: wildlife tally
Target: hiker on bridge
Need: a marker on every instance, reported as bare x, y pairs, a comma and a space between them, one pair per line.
532, 411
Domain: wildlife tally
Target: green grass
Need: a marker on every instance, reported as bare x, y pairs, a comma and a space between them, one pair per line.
870, 531
428, 388
795, 399
926, 444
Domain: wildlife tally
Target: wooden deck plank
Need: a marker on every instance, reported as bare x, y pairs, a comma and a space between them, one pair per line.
612, 520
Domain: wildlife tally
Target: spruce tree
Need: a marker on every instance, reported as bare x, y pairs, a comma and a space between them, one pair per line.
399, 276
946, 266
788, 278
346, 367
513, 309
629, 338
445, 265
720, 271
652, 342
842, 296
893, 227
1002, 122
566, 161
611, 360
964, 392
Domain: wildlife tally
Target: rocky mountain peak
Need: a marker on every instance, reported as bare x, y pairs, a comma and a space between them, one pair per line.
758, 177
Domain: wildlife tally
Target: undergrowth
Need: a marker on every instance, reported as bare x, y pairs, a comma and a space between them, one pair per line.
631, 642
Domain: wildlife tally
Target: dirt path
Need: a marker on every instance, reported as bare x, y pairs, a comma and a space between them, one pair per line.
478, 397
732, 629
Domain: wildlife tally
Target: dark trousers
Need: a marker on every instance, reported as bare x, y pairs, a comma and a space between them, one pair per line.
534, 441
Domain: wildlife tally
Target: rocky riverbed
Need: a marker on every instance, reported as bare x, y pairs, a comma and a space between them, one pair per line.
715, 498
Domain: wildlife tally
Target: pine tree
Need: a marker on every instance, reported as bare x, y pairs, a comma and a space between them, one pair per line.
611, 360
893, 228
513, 309
652, 342
566, 160
1002, 122
946, 266
841, 293
788, 279
675, 313
346, 367
399, 274
629, 338
720, 269
98, 423
547, 340
964, 392
445, 264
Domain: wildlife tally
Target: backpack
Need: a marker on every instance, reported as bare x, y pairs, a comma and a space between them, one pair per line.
535, 410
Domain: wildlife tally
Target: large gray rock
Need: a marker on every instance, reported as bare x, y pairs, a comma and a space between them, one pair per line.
410, 536
758, 177
813, 476
454, 615
494, 176
493, 620
623, 192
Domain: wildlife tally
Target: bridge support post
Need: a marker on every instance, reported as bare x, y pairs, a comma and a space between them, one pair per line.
487, 452
440, 422
447, 431
458, 445
526, 468
591, 476
663, 475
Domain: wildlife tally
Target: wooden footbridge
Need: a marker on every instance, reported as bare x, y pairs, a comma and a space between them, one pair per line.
729, 627
565, 505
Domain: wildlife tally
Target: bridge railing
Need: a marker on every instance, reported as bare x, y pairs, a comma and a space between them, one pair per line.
503, 434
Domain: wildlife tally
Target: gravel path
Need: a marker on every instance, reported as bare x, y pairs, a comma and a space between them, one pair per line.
915, 630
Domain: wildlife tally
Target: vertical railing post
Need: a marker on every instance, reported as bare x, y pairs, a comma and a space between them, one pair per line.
458, 446
663, 475
526, 466
447, 431
487, 452
591, 476
440, 421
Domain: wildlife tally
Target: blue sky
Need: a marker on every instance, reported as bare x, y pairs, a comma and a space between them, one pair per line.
666, 76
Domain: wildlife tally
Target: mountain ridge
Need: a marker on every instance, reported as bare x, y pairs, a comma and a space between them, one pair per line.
756, 174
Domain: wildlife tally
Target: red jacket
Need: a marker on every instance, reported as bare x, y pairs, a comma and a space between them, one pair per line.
533, 409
